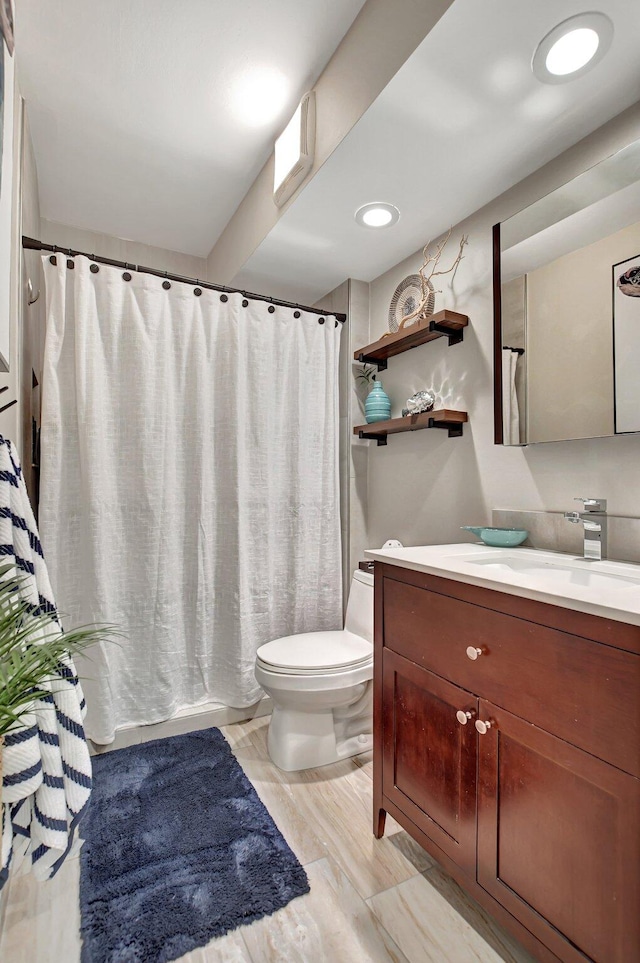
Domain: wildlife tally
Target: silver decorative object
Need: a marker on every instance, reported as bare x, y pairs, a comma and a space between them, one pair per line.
420, 401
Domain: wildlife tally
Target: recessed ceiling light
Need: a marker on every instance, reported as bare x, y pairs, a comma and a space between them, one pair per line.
572, 51
377, 214
572, 48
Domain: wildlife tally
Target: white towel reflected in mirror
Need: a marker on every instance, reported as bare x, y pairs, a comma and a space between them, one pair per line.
510, 409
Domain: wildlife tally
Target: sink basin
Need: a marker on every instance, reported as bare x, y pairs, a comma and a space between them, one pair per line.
578, 572
607, 588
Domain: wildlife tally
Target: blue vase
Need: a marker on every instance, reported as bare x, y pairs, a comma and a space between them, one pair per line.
377, 407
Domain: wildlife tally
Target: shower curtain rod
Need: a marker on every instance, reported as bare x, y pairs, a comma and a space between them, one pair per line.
30, 244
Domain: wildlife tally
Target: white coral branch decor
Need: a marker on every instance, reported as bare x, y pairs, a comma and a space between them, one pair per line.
426, 280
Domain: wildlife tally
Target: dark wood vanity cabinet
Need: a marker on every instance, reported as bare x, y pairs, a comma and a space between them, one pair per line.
558, 839
538, 815
429, 760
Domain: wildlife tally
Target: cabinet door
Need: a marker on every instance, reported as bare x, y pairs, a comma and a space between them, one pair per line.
429, 758
559, 840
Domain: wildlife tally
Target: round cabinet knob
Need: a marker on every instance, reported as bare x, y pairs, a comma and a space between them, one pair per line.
463, 717
483, 727
473, 652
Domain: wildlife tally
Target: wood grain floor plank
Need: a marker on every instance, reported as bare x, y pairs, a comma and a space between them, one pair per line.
333, 805
331, 923
371, 900
276, 794
42, 922
226, 949
433, 921
339, 810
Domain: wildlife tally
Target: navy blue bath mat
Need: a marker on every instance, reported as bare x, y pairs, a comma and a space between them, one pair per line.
178, 850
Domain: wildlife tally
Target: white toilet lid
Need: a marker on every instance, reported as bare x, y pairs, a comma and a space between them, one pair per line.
316, 651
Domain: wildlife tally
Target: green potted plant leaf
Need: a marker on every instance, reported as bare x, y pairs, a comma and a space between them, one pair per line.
32, 651
368, 375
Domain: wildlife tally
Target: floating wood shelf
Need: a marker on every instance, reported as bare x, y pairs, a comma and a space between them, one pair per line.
444, 324
451, 421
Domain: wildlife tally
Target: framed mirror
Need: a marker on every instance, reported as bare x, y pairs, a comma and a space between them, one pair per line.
566, 287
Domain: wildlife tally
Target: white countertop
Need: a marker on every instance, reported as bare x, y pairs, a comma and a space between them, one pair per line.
609, 589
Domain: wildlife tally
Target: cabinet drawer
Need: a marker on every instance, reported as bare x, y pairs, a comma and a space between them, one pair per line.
580, 690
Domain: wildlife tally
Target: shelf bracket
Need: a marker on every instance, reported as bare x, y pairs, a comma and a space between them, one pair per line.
455, 337
380, 363
454, 431
367, 436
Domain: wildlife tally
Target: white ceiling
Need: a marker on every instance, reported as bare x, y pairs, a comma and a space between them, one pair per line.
462, 121
133, 105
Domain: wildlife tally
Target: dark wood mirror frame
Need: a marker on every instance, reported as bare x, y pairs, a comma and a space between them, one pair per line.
498, 437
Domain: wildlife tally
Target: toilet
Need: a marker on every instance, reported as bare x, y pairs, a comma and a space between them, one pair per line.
321, 687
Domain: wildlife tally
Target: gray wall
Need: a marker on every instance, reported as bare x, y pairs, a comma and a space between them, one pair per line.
423, 485
120, 249
351, 297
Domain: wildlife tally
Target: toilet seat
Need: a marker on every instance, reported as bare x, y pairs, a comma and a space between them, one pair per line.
310, 653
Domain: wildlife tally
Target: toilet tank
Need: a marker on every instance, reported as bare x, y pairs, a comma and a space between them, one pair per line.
359, 618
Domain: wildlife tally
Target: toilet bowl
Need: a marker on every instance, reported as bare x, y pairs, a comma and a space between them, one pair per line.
320, 684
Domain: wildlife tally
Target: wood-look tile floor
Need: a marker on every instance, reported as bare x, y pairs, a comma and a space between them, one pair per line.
371, 901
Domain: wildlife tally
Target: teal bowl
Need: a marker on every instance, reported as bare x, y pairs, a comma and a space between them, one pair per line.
498, 537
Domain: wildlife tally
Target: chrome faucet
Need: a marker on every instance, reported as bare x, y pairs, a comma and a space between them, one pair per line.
594, 519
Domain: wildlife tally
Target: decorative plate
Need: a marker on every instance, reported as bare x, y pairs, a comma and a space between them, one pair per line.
406, 299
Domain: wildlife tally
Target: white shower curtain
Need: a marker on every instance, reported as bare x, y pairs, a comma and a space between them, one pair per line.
189, 489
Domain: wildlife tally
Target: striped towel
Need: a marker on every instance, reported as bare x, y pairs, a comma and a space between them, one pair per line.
46, 765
